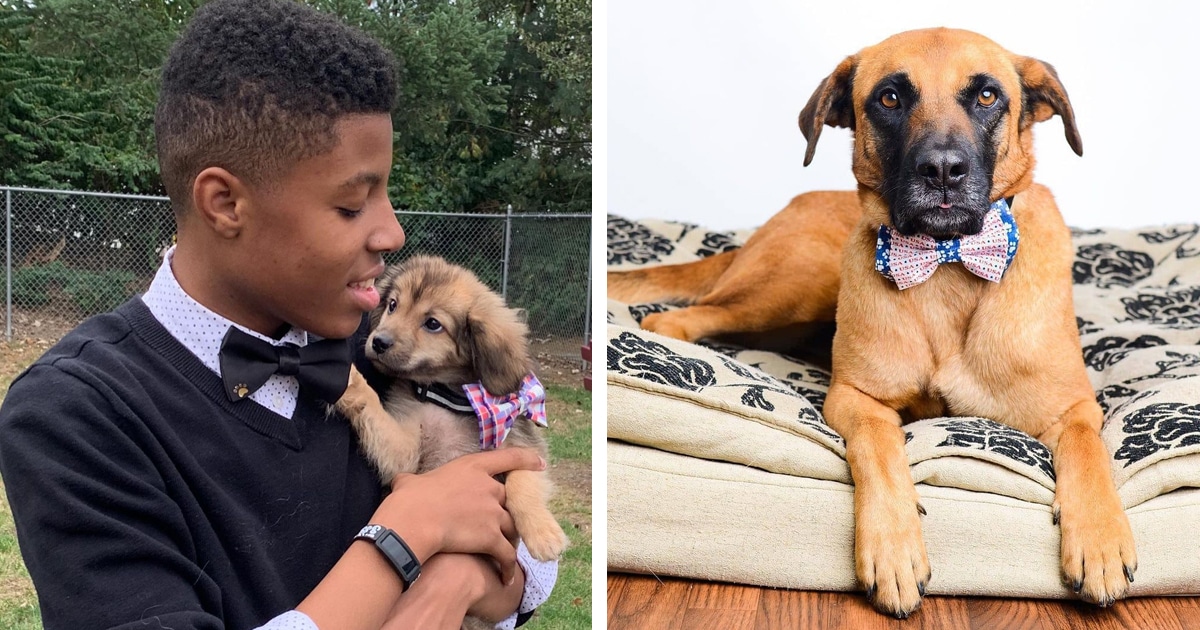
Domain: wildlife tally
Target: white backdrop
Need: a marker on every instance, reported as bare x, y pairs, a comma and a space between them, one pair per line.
703, 98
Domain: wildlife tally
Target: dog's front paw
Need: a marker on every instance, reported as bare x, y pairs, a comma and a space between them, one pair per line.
357, 396
668, 324
889, 557
543, 537
1098, 552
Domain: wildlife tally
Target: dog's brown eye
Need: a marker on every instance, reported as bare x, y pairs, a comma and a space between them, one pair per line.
432, 325
392, 305
889, 99
987, 98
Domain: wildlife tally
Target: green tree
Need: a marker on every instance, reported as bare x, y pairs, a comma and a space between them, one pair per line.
495, 105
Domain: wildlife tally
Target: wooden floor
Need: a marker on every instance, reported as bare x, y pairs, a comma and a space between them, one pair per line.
637, 602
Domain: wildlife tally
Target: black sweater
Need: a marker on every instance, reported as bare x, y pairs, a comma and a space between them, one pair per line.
141, 494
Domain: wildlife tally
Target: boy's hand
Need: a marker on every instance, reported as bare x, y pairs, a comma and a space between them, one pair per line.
451, 586
459, 507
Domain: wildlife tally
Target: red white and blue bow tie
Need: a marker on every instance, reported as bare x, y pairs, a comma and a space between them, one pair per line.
911, 260
497, 413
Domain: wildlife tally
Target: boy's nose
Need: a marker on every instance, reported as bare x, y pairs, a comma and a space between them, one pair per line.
389, 236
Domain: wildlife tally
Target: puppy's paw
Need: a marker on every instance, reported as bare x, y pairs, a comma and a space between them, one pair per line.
542, 535
668, 324
1098, 553
890, 560
357, 396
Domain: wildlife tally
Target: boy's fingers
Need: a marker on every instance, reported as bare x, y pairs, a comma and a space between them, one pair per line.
506, 556
504, 460
508, 527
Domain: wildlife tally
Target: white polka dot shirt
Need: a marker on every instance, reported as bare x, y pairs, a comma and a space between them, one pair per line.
200, 331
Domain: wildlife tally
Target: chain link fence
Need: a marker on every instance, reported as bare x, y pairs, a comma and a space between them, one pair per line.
69, 255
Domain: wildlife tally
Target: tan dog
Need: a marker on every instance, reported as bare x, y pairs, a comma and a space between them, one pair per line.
437, 323
942, 124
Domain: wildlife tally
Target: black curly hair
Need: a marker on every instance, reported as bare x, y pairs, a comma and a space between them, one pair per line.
253, 86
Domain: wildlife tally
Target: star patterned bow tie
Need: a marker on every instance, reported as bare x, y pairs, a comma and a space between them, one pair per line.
497, 413
911, 260
247, 362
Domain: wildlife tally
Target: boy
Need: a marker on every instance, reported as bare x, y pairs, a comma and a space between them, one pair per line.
145, 489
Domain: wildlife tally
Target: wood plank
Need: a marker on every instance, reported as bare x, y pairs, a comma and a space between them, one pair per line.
637, 602
719, 596
1017, 614
1187, 611
851, 611
943, 612
649, 603
723, 619
616, 591
1138, 612
1084, 616
790, 609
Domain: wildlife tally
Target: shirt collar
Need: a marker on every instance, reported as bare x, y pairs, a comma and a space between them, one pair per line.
194, 325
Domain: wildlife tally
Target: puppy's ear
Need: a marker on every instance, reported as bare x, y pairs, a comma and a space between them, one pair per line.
1043, 96
832, 104
499, 347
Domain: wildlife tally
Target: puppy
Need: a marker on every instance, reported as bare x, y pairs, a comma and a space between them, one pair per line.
438, 328
937, 311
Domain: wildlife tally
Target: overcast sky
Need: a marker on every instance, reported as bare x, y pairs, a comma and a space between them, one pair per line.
703, 98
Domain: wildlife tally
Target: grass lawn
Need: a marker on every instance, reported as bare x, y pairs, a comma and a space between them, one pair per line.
570, 606
570, 415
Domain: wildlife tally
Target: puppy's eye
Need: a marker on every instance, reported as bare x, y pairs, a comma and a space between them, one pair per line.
889, 99
432, 325
392, 305
987, 98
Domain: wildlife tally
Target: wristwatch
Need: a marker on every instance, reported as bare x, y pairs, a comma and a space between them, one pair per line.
395, 550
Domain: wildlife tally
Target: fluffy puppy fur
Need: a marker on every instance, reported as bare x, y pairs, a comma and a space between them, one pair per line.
437, 323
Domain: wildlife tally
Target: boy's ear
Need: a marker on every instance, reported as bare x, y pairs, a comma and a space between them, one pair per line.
218, 197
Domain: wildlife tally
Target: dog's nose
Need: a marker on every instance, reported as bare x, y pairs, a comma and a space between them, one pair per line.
943, 168
381, 342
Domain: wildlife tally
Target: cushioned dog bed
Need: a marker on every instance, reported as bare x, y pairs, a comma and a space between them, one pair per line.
721, 467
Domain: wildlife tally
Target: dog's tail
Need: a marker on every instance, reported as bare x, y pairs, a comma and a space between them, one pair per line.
686, 283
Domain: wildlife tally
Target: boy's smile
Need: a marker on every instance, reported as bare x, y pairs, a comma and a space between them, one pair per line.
305, 248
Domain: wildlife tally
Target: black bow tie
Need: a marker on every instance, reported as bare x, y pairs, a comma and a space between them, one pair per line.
322, 367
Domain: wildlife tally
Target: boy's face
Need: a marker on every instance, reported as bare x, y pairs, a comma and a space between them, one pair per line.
312, 243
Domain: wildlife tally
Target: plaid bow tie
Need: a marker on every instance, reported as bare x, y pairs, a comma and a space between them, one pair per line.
247, 362
497, 413
911, 260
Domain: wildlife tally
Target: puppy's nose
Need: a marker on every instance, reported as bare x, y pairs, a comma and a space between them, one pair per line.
381, 342
943, 168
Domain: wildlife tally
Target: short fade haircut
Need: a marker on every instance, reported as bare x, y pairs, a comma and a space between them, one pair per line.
253, 86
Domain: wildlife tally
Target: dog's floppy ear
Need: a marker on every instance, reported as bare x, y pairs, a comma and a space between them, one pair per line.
1043, 96
832, 104
498, 344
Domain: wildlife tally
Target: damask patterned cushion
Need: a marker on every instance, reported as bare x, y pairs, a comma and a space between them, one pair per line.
1138, 297
1138, 304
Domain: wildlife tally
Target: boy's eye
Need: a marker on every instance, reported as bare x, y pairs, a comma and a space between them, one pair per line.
350, 213
432, 325
392, 305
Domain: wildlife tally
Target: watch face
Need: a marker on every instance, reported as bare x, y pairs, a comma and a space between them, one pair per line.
396, 550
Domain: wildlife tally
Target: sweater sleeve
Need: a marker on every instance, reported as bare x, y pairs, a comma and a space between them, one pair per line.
103, 541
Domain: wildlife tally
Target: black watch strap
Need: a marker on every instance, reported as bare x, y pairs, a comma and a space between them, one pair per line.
395, 550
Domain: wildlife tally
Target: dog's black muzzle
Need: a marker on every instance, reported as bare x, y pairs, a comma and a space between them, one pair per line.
941, 189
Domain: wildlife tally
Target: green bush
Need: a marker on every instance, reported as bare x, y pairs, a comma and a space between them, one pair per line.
98, 291
31, 285
91, 291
